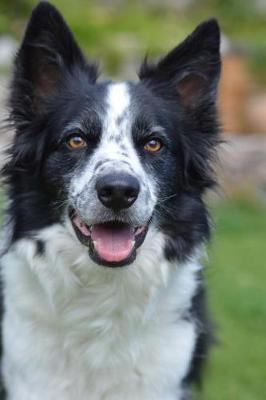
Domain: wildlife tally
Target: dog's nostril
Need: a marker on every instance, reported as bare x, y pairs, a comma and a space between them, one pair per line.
131, 193
105, 192
117, 191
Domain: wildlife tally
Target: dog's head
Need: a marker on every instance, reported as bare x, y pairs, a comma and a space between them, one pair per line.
112, 159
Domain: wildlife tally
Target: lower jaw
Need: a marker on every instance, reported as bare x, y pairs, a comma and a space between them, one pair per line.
123, 263
117, 264
139, 239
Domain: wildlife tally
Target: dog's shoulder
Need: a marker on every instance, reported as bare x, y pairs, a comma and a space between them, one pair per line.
206, 335
2, 389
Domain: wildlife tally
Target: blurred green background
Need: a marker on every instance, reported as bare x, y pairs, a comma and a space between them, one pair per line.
109, 29
119, 33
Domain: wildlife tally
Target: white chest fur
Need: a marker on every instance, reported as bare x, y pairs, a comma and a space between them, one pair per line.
75, 330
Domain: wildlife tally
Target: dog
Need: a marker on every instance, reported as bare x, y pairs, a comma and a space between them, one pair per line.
103, 294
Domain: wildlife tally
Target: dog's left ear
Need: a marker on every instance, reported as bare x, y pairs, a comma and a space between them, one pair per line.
191, 71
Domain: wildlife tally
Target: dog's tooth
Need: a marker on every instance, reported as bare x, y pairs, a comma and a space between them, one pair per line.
139, 230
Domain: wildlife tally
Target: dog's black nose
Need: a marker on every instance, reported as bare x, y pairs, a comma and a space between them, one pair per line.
117, 191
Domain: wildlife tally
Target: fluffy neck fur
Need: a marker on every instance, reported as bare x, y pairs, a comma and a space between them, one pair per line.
100, 333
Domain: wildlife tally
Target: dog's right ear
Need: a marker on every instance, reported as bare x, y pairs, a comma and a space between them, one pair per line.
48, 53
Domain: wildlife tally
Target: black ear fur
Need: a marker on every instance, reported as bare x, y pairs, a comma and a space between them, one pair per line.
48, 58
188, 77
48, 52
191, 70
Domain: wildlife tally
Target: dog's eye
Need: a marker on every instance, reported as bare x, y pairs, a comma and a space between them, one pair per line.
153, 145
75, 142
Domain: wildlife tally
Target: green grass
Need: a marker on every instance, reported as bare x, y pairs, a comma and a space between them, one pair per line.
237, 293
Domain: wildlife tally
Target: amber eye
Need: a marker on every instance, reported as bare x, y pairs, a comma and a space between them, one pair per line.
76, 142
153, 145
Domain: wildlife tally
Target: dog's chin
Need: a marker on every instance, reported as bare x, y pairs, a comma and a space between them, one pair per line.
110, 244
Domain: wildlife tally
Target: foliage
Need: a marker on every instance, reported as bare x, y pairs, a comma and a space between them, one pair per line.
236, 277
118, 30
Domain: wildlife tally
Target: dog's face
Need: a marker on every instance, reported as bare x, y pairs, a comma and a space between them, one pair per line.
108, 160
113, 189
117, 154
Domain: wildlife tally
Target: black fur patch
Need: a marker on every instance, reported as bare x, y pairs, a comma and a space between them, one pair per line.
40, 247
2, 388
206, 336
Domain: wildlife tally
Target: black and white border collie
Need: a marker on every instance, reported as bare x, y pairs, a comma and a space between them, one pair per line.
102, 286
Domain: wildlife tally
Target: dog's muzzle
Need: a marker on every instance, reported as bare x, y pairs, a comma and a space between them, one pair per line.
112, 241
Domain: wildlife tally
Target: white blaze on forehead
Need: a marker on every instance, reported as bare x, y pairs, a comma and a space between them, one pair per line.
118, 102
117, 145
118, 99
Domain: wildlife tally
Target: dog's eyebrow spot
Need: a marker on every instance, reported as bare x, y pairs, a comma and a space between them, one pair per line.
71, 127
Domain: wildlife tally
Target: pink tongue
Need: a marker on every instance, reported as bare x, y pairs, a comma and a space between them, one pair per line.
113, 242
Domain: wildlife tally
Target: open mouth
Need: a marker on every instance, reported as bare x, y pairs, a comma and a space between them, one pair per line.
112, 243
